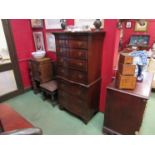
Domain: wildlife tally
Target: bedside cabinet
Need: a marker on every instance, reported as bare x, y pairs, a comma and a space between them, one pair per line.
125, 108
40, 72
79, 72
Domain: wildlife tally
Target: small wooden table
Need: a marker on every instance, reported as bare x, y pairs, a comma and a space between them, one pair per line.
11, 120
124, 108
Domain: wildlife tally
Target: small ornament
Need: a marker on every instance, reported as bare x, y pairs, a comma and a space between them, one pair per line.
97, 24
63, 23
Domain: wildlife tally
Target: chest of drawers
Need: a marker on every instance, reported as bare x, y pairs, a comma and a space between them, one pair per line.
79, 71
125, 108
40, 72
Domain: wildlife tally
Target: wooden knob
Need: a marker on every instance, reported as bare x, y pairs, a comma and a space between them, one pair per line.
80, 53
80, 63
80, 76
62, 71
79, 43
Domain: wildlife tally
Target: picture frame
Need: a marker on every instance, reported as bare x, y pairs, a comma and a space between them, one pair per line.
52, 24
38, 41
128, 24
139, 40
141, 28
37, 23
50, 42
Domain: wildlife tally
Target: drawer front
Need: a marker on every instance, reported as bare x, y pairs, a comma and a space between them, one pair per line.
62, 61
77, 76
62, 43
78, 53
77, 64
71, 103
72, 75
78, 44
64, 72
73, 89
62, 51
72, 63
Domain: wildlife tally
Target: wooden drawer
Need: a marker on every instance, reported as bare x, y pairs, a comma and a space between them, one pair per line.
72, 53
62, 43
64, 72
73, 89
72, 63
78, 44
71, 103
62, 61
77, 64
72, 75
78, 53
62, 51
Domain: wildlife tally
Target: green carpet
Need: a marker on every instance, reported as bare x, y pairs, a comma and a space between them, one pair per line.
57, 122
52, 120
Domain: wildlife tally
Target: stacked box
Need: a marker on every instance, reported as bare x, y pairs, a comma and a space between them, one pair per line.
125, 76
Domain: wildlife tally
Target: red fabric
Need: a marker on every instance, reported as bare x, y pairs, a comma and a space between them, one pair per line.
11, 120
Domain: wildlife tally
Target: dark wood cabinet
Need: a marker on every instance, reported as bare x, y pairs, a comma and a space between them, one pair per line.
79, 72
125, 108
40, 72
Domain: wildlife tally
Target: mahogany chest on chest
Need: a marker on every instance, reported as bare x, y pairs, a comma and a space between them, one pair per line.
79, 71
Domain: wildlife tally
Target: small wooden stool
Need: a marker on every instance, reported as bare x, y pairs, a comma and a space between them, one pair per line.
49, 88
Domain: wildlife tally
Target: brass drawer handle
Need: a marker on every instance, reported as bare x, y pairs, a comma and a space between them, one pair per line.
80, 54
62, 71
80, 43
80, 63
80, 76
61, 60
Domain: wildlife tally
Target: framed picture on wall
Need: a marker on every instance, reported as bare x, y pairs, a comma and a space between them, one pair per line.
37, 23
52, 24
128, 24
38, 41
141, 27
50, 40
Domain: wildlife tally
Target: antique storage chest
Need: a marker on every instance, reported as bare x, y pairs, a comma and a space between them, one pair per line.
41, 71
126, 69
79, 71
125, 58
125, 82
124, 109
